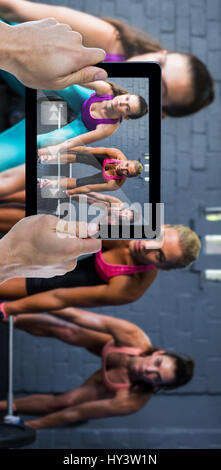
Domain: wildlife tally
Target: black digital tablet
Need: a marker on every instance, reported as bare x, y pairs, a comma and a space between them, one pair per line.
93, 152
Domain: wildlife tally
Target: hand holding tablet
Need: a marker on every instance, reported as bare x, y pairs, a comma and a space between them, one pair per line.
44, 246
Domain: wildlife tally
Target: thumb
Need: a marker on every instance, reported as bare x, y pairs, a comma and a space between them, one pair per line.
85, 75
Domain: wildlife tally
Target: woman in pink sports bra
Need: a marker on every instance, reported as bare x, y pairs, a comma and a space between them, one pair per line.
111, 163
102, 114
181, 72
118, 275
132, 370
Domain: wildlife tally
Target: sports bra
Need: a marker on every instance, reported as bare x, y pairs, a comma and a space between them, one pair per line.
114, 58
90, 122
108, 349
112, 177
106, 270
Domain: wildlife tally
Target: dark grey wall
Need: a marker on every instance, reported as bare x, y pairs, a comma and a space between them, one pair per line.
179, 311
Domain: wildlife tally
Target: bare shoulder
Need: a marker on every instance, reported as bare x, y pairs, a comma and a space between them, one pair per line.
119, 155
137, 283
148, 277
113, 185
100, 87
107, 129
120, 182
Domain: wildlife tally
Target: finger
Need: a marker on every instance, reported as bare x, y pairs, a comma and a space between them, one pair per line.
76, 229
46, 22
85, 75
92, 55
64, 27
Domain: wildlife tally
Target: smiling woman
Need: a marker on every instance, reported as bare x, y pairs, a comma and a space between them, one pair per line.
118, 275
99, 113
132, 370
112, 165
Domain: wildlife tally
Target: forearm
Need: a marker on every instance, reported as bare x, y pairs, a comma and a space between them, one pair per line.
88, 410
67, 157
44, 301
117, 328
68, 183
32, 404
93, 188
81, 140
80, 190
6, 48
29, 11
68, 415
94, 30
113, 200
56, 299
12, 181
93, 296
18, 196
64, 158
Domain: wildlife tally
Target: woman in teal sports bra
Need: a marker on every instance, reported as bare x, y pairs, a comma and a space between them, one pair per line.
99, 107
118, 275
12, 140
132, 369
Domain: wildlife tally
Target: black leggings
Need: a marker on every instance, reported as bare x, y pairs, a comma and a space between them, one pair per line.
83, 275
93, 160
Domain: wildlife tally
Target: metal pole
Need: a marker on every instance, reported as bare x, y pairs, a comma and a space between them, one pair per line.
10, 366
70, 176
60, 105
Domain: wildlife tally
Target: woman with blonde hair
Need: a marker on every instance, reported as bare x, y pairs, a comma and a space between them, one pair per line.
119, 274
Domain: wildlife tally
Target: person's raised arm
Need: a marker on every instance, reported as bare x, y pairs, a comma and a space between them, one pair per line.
123, 332
100, 87
12, 180
120, 290
14, 197
101, 132
48, 55
106, 198
87, 189
96, 32
111, 152
121, 404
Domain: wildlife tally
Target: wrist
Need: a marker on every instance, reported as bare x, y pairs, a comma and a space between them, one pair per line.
6, 51
32, 424
14, 48
9, 267
3, 314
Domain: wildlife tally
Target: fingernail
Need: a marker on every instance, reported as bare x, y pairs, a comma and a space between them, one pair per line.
100, 75
92, 228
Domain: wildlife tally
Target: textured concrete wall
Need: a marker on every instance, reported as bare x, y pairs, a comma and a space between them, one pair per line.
186, 315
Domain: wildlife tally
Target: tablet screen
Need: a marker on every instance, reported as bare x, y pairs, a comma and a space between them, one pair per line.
98, 155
